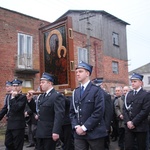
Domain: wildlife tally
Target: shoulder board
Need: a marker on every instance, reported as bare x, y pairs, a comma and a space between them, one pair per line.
21, 94
95, 85
77, 87
60, 93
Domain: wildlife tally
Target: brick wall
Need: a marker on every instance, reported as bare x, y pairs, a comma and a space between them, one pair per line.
12, 23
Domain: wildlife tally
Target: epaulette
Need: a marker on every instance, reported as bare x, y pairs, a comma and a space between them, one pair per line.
95, 85
59, 93
77, 87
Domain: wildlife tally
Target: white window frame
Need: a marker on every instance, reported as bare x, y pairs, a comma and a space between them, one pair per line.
115, 39
24, 51
115, 67
27, 83
82, 54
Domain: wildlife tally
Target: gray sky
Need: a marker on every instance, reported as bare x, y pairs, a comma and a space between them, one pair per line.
135, 12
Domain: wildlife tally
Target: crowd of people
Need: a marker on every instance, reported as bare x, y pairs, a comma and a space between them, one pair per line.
88, 120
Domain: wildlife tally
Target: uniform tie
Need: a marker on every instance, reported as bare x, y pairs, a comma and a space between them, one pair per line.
135, 92
82, 90
45, 94
8, 101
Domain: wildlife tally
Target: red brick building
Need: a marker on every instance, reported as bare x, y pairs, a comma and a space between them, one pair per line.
14, 27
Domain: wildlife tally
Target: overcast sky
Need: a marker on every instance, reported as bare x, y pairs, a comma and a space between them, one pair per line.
135, 12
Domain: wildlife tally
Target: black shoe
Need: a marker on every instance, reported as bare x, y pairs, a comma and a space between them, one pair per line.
30, 145
113, 140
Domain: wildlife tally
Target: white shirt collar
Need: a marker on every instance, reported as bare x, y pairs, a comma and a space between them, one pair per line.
85, 84
138, 89
48, 90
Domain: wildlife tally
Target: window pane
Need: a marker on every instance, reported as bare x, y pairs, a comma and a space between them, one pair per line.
82, 54
21, 49
27, 84
21, 43
29, 52
115, 67
28, 46
24, 51
115, 38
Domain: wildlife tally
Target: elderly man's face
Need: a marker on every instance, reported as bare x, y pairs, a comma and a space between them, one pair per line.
118, 91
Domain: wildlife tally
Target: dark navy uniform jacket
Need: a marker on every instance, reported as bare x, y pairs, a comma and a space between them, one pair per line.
51, 111
15, 114
140, 108
108, 113
90, 112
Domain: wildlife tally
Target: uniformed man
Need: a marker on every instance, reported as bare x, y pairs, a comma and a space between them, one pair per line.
14, 109
8, 87
136, 110
87, 111
108, 112
51, 109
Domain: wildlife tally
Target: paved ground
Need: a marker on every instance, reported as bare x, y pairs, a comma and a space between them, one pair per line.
2, 147
113, 146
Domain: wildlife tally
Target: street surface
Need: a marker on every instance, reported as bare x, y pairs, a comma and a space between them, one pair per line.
113, 146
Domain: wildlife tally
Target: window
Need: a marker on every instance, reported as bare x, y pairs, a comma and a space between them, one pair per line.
27, 85
115, 69
82, 54
149, 80
115, 39
24, 51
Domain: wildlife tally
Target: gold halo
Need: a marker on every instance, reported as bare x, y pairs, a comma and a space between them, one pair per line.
59, 40
59, 50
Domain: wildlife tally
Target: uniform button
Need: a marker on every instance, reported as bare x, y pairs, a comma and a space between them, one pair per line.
80, 109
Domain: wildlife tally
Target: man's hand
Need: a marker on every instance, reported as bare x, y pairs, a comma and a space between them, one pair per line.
55, 136
36, 117
80, 131
130, 125
26, 114
121, 117
14, 93
29, 96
